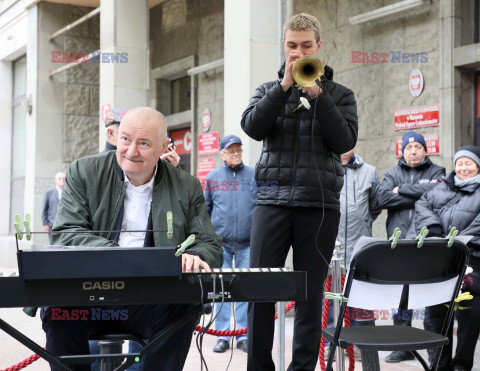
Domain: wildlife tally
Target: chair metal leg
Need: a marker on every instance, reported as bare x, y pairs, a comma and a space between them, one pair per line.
110, 347
420, 359
17, 335
370, 360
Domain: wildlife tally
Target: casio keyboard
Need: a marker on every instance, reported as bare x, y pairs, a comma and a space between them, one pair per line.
84, 276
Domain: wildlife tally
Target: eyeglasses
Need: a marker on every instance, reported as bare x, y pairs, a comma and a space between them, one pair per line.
233, 152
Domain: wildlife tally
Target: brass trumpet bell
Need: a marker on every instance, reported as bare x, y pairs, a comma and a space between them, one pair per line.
307, 69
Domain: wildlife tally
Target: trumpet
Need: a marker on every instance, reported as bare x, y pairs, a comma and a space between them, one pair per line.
307, 70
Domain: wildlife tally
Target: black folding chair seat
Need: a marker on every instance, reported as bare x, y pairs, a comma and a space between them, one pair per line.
405, 269
385, 338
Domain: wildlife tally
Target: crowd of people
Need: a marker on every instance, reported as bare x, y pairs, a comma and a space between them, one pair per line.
320, 187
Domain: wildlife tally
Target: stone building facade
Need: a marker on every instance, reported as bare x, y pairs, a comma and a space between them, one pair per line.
187, 56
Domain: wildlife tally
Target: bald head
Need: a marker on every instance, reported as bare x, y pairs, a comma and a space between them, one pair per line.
142, 140
148, 116
60, 180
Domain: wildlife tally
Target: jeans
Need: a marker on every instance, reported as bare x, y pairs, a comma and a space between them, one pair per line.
222, 322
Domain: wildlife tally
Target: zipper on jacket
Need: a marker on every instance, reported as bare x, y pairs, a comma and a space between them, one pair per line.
113, 220
295, 154
354, 193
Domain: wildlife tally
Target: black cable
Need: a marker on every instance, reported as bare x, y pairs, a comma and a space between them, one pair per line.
198, 344
319, 181
232, 338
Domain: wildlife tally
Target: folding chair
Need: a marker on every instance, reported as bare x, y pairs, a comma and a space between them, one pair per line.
409, 276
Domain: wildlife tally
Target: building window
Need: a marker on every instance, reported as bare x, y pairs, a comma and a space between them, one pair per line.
173, 96
19, 119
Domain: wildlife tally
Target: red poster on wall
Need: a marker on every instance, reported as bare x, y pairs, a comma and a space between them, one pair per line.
205, 165
208, 143
432, 140
416, 117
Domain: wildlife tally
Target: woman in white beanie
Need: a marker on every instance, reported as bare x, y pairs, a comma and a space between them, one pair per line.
455, 202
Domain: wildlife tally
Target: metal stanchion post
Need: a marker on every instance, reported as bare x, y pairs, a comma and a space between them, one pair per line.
281, 336
336, 265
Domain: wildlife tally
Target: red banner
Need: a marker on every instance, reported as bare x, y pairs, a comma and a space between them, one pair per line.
416, 117
208, 143
205, 165
432, 140
182, 140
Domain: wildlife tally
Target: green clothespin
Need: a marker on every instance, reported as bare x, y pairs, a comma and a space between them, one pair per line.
395, 236
17, 224
183, 246
421, 236
335, 296
451, 236
26, 223
169, 225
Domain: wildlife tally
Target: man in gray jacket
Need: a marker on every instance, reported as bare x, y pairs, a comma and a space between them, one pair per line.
358, 201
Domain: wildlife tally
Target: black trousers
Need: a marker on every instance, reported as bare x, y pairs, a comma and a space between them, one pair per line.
468, 327
274, 230
70, 337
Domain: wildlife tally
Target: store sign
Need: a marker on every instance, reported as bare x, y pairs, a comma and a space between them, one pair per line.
208, 144
416, 117
205, 165
206, 120
182, 140
416, 83
432, 140
105, 109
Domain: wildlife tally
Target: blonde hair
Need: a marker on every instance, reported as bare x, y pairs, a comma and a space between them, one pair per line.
303, 22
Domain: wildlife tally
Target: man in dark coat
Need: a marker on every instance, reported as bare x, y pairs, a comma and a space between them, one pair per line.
300, 177
401, 187
50, 203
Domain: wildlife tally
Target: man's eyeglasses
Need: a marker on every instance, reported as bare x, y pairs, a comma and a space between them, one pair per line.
234, 151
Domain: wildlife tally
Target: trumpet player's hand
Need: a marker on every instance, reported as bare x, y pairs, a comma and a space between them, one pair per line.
288, 80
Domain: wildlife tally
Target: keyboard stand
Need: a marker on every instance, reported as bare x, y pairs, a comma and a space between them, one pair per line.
62, 362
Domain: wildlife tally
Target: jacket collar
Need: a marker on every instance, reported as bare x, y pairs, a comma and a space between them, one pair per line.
109, 146
451, 183
235, 169
355, 162
425, 163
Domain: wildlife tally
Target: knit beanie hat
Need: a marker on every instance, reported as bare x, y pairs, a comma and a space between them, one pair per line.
410, 137
471, 152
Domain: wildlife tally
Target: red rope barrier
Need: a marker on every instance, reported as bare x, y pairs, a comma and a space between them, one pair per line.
326, 309
242, 331
23, 363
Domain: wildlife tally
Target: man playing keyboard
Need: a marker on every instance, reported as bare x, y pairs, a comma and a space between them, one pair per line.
132, 190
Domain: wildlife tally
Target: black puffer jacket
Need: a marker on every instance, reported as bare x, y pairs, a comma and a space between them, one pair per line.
287, 168
463, 214
412, 183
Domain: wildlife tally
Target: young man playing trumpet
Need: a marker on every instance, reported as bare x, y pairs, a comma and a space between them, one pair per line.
300, 160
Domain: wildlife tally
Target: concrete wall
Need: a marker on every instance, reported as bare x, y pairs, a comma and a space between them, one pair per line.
182, 28
81, 88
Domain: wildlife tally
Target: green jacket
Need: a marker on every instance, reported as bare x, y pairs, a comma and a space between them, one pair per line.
94, 193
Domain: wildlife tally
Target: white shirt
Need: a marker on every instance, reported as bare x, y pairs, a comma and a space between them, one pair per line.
136, 208
59, 191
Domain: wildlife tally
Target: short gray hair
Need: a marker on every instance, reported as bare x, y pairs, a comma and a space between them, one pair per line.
303, 22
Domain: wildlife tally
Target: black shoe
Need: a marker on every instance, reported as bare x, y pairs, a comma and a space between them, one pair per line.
221, 346
399, 356
242, 345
